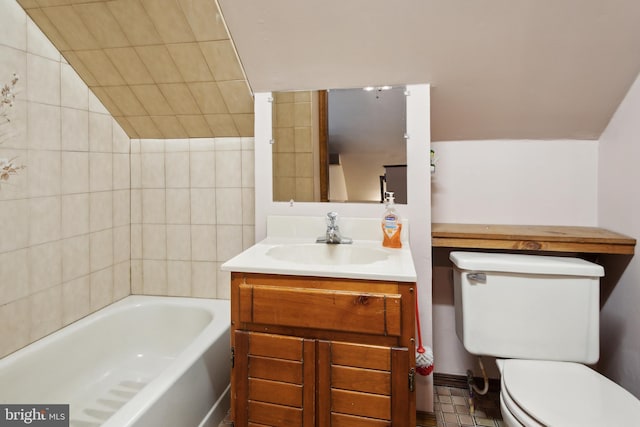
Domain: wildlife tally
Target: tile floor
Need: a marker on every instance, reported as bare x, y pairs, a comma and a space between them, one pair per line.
452, 408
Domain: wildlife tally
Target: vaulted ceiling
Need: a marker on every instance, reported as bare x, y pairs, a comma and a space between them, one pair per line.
163, 68
523, 69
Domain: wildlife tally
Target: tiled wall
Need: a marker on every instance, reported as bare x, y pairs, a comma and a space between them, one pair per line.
293, 154
192, 209
64, 220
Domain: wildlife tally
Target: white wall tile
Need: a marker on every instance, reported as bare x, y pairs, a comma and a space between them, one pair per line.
13, 26
100, 210
121, 142
177, 169
73, 92
16, 321
75, 257
44, 220
14, 61
223, 283
14, 224
152, 170
203, 279
248, 205
121, 171
43, 76
121, 244
100, 171
179, 278
43, 127
229, 206
121, 280
248, 174
153, 206
75, 129
228, 169
100, 133
136, 241
154, 241
101, 288
121, 208
179, 242
44, 173
178, 206
154, 275
203, 242
13, 276
76, 299
75, 214
75, 172
136, 206
229, 241
203, 206
101, 249
46, 312
202, 168
136, 277
45, 266
95, 105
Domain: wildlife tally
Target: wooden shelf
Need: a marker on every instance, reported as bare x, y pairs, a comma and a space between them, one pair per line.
531, 238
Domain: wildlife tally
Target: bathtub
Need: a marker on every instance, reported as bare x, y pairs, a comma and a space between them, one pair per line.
142, 361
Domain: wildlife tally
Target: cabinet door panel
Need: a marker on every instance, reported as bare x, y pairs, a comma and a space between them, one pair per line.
363, 404
361, 356
358, 379
274, 415
344, 311
275, 392
342, 420
275, 369
278, 346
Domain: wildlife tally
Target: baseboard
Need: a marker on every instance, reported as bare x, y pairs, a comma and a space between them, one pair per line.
460, 381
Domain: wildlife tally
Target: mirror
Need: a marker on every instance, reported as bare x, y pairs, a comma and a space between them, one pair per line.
339, 145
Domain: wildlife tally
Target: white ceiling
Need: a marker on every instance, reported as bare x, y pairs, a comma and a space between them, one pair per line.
513, 69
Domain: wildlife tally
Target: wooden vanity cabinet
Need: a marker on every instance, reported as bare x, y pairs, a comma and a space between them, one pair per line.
312, 351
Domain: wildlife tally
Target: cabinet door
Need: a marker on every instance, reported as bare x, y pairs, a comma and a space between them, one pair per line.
363, 386
274, 380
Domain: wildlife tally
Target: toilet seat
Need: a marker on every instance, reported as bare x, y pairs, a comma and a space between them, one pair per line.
551, 393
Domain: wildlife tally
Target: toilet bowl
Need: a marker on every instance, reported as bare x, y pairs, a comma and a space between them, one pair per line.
538, 393
539, 316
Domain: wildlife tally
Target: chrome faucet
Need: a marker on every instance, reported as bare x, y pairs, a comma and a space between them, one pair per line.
332, 235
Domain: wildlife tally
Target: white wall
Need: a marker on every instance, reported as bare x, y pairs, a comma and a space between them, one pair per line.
503, 182
618, 210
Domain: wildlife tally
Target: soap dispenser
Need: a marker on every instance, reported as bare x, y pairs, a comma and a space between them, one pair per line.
391, 225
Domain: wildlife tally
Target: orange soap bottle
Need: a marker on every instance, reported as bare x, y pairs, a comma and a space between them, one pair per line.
391, 225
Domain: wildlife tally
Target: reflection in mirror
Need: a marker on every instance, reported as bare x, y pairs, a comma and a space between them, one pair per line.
339, 145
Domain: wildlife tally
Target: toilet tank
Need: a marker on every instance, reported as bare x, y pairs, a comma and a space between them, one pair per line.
527, 306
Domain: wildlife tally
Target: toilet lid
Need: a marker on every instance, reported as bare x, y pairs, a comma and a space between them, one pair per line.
568, 394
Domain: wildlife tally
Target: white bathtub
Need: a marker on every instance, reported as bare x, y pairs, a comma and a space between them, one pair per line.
143, 361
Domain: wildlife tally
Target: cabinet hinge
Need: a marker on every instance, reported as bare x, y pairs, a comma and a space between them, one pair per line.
412, 379
233, 357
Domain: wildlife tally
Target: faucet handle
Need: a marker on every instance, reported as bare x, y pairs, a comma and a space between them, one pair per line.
332, 218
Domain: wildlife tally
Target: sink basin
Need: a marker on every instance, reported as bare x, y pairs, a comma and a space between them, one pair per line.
325, 254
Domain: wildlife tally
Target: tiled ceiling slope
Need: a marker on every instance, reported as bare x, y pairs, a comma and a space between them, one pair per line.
163, 68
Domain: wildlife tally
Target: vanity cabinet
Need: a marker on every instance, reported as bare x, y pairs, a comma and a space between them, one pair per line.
312, 351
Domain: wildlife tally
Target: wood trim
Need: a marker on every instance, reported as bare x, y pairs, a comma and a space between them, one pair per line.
531, 238
400, 393
309, 383
323, 383
323, 151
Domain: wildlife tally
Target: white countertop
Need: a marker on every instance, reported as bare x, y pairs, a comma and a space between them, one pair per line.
397, 265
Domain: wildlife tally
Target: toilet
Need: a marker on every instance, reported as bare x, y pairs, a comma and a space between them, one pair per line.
539, 315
